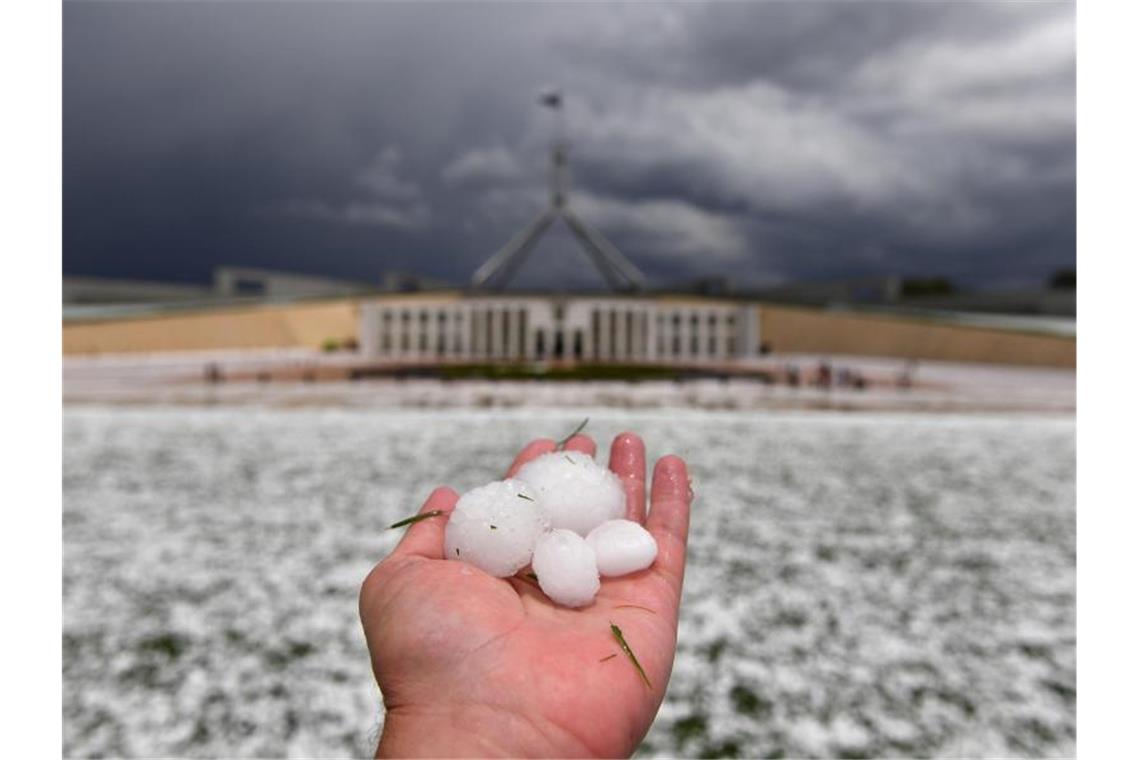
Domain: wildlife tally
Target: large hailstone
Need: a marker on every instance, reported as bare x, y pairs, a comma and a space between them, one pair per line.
566, 569
575, 492
495, 527
622, 547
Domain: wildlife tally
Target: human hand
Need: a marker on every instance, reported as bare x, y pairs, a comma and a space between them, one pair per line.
472, 665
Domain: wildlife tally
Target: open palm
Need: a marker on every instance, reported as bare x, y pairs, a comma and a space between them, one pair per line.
471, 665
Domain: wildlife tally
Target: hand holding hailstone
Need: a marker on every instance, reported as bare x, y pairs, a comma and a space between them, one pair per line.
477, 655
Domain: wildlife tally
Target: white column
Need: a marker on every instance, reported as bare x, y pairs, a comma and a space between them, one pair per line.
651, 313
513, 331
367, 329
588, 332
643, 333
722, 342
604, 333
528, 333
694, 331
497, 332
621, 350
417, 329
476, 321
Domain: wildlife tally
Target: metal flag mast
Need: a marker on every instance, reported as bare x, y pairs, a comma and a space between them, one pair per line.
618, 271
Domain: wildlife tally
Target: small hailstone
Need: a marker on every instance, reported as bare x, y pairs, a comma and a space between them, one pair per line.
622, 547
566, 569
495, 526
575, 492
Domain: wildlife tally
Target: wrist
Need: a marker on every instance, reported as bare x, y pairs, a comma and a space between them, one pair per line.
473, 731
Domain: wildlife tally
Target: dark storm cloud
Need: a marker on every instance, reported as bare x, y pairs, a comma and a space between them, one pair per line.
759, 141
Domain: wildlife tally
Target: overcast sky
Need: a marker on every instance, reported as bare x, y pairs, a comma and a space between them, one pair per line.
764, 142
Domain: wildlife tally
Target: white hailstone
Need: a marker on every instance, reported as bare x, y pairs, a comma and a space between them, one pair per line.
494, 527
575, 492
622, 547
566, 569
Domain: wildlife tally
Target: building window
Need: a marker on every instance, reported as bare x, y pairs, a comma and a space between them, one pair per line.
613, 333
489, 331
505, 331
642, 334
522, 332
629, 334
595, 332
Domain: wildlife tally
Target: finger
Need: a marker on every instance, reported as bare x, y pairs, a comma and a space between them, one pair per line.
669, 517
530, 451
425, 538
582, 443
627, 461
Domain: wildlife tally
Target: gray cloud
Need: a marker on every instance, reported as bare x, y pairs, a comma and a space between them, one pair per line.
760, 141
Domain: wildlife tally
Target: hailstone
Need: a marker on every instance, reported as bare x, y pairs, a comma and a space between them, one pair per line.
495, 527
622, 547
575, 492
566, 569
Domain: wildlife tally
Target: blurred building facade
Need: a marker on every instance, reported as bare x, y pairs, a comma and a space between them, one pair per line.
573, 328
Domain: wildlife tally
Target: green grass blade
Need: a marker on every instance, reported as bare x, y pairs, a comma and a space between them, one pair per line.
415, 518
579, 429
629, 653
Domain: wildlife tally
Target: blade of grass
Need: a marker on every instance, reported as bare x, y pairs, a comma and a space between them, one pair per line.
415, 518
566, 440
629, 653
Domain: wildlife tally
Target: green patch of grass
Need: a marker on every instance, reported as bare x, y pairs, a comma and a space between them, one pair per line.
692, 727
728, 748
169, 644
747, 702
715, 649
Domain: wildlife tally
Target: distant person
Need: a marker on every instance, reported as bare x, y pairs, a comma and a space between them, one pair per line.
476, 666
823, 375
793, 374
906, 377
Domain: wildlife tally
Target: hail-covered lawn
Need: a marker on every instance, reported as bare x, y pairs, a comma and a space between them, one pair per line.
858, 584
